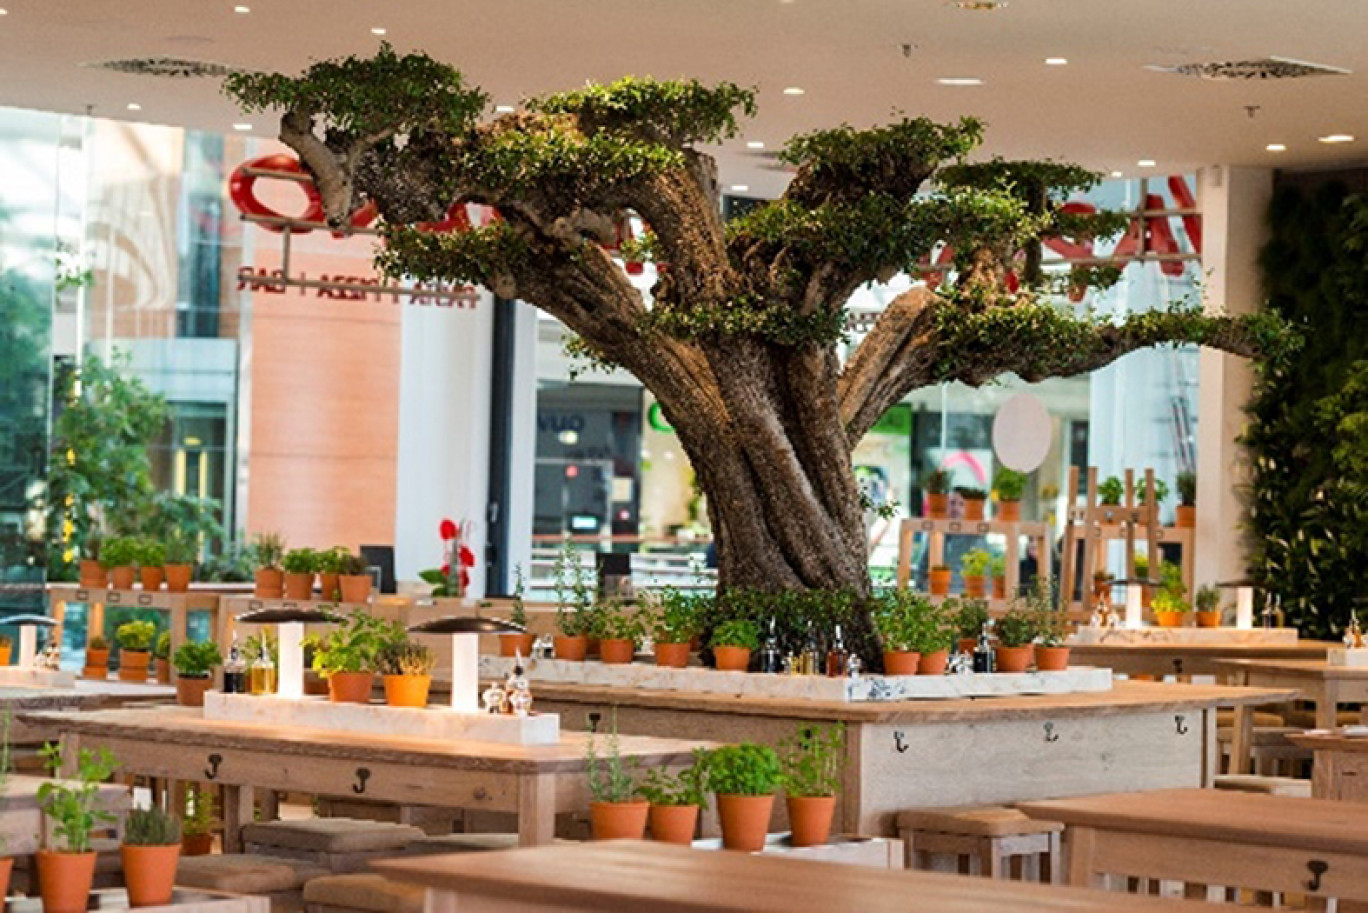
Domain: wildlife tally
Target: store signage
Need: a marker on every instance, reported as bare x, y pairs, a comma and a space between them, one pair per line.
352, 288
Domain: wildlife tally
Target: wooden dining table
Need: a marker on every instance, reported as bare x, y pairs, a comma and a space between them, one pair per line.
1340, 768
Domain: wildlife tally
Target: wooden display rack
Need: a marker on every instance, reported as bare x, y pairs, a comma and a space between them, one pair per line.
938, 529
177, 606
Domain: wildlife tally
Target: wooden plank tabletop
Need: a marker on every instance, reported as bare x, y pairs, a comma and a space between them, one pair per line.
187, 726
1213, 814
641, 875
1330, 741
1297, 668
1302, 649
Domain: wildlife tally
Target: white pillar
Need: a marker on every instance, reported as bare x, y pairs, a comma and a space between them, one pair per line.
465, 673
1234, 204
523, 446
290, 672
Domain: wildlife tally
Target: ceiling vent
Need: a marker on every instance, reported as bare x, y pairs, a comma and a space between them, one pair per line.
1261, 68
168, 67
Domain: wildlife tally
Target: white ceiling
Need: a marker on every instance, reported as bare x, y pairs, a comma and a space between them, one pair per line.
1104, 108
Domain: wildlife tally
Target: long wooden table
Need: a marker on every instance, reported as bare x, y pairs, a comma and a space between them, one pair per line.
87, 695
177, 743
1341, 765
639, 875
1188, 659
1215, 839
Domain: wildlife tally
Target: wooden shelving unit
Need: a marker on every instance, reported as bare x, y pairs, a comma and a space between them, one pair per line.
937, 530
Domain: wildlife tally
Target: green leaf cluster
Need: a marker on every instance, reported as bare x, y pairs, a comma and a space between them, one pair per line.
746, 769
354, 645
73, 804
736, 633
136, 636
687, 787
401, 656
968, 615
812, 761
680, 617
301, 561
151, 827
197, 659
677, 113
909, 622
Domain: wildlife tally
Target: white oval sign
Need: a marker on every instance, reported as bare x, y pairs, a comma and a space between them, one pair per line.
1022, 432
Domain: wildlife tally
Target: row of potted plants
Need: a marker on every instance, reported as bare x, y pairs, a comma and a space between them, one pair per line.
977, 568
120, 560
353, 652
1111, 490
290, 574
918, 634
1008, 484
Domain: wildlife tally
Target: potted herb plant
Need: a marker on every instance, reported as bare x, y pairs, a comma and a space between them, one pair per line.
1208, 612
118, 556
1016, 633
1185, 514
574, 606
1009, 485
969, 616
66, 866
97, 659
811, 762
1051, 630
1141, 564
974, 570
195, 664
517, 644
678, 623
406, 667
938, 579
744, 779
346, 656
733, 641
150, 851
151, 561
1170, 603
618, 631
353, 578
973, 499
676, 800
135, 645
92, 575
268, 549
616, 810
161, 658
997, 569
573, 625
299, 566
201, 818
181, 552
329, 573
936, 485
899, 618
1161, 492
1110, 491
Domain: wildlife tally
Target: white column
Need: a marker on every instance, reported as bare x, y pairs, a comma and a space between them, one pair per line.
1234, 204
523, 446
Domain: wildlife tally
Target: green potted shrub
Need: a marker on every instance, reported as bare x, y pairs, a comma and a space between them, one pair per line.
1016, 634
268, 551
92, 574
969, 616
1009, 486
150, 852
517, 644
1170, 602
1051, 630
811, 763
97, 659
181, 552
974, 570
1185, 515
346, 656
574, 606
744, 779
1161, 491
151, 564
195, 664
733, 641
1110, 492
1208, 604
676, 800
618, 630
118, 555
936, 485
973, 500
135, 649
997, 570
938, 579
201, 818
329, 565
679, 622
353, 578
161, 658
406, 668
299, 566
616, 810
911, 629
66, 865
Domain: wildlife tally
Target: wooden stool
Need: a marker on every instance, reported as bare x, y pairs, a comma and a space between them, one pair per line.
361, 893
1269, 750
278, 879
984, 840
1273, 786
338, 844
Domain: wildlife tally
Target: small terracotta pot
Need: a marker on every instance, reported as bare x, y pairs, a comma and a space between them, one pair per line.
975, 586
619, 820
617, 651
150, 578
197, 844
96, 664
1009, 511
1014, 659
999, 587
93, 576
407, 690
573, 649
1169, 619
810, 819
161, 670
939, 581
64, 880
1185, 517
672, 656
933, 663
966, 644
732, 659
178, 577
516, 644
673, 823
299, 586
329, 589
6, 870
269, 583
745, 821
937, 506
121, 578
350, 687
190, 690
149, 873
900, 662
1051, 659
1208, 619
1146, 595
973, 509
133, 665
355, 587
6, 653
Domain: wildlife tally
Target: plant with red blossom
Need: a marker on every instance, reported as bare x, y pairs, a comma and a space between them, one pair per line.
453, 577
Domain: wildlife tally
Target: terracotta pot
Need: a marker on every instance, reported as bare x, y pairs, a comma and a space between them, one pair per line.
121, 578
299, 586
133, 665
1210, 619
966, 644
149, 873
745, 821
1014, 659
572, 648
999, 587
1102, 590
939, 581
197, 844
355, 587
6, 869
619, 820
1185, 517
900, 662
617, 651
673, 656
933, 663
64, 880
350, 687
150, 578
937, 506
161, 670
190, 690
1169, 619
515, 644
810, 819
407, 690
732, 659
6, 653
93, 575
1009, 511
178, 577
329, 589
269, 583
96, 664
973, 509
975, 587
673, 823
1146, 596
1051, 659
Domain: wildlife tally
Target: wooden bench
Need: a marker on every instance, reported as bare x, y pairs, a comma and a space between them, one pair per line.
988, 840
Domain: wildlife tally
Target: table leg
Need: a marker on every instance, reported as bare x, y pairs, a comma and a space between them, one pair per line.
536, 809
1081, 843
180, 630
238, 804
1241, 738
1327, 705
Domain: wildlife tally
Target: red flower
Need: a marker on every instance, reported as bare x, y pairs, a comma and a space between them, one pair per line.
465, 580
447, 530
446, 570
467, 557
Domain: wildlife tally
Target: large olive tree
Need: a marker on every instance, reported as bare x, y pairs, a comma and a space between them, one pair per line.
740, 341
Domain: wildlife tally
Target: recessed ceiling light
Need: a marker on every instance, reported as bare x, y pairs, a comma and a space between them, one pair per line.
960, 81
755, 144
794, 90
377, 31
504, 109
1275, 147
242, 127
1145, 163
134, 106
242, 10
4, 12
1116, 174
1337, 138
980, 5
740, 188
1056, 61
